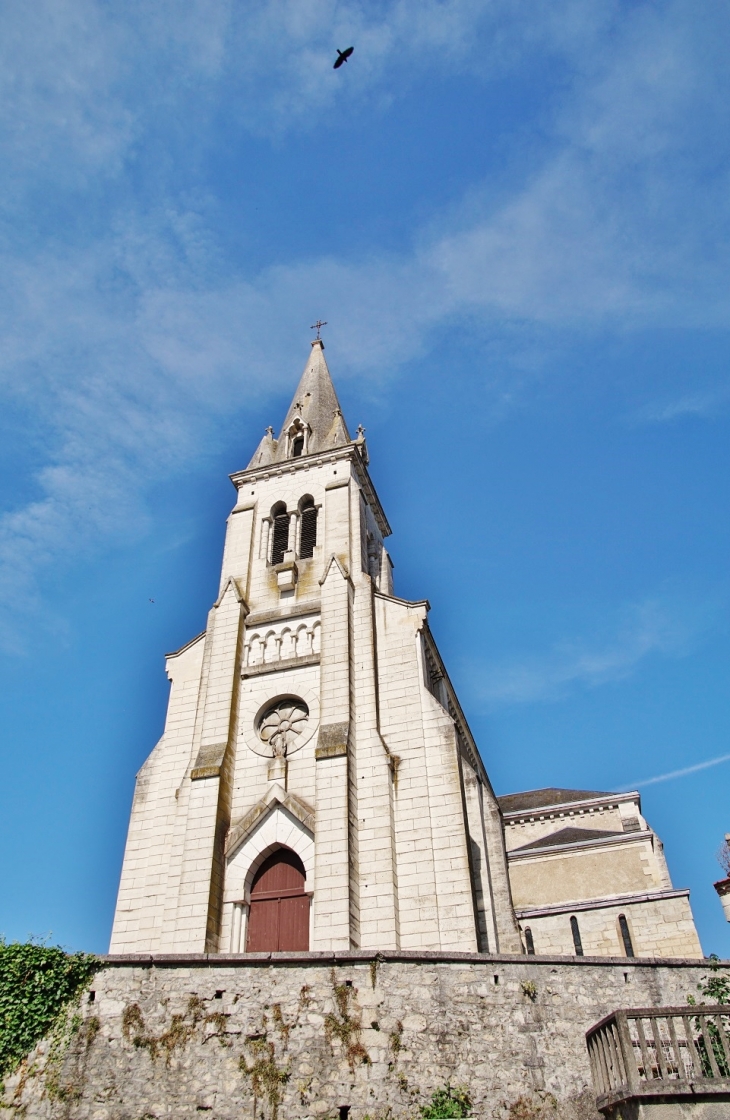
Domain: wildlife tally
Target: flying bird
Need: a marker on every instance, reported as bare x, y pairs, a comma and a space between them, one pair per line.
342, 57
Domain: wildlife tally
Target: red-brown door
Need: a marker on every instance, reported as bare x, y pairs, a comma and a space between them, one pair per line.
278, 919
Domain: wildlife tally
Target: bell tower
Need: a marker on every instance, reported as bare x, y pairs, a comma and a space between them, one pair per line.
316, 786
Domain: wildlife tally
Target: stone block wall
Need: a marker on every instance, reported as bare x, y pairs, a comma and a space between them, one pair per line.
309, 1035
660, 925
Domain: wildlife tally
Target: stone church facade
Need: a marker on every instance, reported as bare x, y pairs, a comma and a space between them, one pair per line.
317, 787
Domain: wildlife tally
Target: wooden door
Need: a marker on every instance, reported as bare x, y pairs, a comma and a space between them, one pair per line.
278, 918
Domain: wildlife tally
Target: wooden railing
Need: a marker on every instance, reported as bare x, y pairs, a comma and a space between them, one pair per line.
660, 1051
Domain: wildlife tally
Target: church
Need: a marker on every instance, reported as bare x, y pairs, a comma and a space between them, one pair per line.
317, 787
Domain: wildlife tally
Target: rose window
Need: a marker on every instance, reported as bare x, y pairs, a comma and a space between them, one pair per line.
282, 725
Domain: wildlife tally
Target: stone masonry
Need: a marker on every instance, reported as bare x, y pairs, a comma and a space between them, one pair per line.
304, 1037
593, 857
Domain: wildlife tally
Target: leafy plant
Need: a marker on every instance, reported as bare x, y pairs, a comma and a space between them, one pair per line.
37, 982
447, 1104
346, 1028
267, 1078
529, 988
717, 989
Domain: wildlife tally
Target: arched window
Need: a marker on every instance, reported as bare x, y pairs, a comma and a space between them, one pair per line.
529, 943
308, 533
297, 435
280, 535
578, 944
623, 925
279, 911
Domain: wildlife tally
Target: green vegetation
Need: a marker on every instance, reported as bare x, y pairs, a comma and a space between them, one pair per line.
177, 1035
345, 1028
447, 1104
37, 983
529, 988
717, 990
267, 1078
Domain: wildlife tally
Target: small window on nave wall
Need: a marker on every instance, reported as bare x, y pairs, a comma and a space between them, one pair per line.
577, 943
279, 911
308, 528
623, 926
280, 535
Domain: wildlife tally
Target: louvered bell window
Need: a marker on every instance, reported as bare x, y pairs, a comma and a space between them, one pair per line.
281, 538
308, 537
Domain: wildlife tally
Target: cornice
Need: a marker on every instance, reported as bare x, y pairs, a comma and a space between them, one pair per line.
177, 652
268, 667
386, 956
598, 903
283, 614
580, 845
568, 808
424, 603
457, 712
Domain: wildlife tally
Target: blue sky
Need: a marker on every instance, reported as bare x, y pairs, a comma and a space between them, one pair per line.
515, 218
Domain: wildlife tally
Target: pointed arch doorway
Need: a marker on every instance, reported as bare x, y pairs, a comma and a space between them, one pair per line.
278, 919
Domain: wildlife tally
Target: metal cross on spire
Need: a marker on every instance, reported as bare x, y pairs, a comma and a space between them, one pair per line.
318, 326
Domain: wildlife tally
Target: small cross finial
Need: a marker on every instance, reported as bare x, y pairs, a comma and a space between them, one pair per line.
318, 326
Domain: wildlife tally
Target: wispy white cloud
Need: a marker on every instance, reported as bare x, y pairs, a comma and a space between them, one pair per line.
704, 405
81, 81
682, 773
660, 626
279, 57
130, 342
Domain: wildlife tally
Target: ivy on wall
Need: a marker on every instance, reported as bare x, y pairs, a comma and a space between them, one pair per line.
36, 983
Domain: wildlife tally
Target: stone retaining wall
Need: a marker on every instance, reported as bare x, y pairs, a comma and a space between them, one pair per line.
308, 1035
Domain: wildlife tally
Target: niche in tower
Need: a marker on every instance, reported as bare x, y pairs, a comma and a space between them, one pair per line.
298, 434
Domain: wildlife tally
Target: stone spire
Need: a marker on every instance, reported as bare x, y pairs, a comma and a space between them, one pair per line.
314, 422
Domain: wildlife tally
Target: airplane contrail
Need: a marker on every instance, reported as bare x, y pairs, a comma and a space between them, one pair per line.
677, 773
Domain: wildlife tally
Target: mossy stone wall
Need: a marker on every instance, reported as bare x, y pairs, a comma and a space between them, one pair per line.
306, 1036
